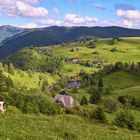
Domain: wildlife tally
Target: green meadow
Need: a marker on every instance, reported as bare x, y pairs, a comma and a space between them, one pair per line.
73, 124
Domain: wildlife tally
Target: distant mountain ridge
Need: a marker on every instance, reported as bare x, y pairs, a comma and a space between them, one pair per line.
7, 31
55, 34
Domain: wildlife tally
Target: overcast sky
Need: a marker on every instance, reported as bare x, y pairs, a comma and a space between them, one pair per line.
42, 13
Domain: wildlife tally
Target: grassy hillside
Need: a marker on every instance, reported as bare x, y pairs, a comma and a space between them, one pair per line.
38, 68
126, 50
64, 127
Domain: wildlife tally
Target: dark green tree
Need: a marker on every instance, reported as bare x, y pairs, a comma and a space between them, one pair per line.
100, 85
84, 101
125, 119
3, 85
99, 115
95, 97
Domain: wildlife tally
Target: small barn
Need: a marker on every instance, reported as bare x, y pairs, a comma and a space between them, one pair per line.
72, 84
74, 61
2, 106
64, 100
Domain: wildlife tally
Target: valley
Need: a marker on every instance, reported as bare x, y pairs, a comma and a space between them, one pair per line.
109, 74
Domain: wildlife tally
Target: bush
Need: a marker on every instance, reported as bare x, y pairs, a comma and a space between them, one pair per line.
45, 107
113, 50
27, 103
99, 115
13, 110
95, 97
84, 101
127, 100
125, 119
70, 136
110, 105
74, 89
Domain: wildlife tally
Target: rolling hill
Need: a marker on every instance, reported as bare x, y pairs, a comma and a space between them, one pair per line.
55, 35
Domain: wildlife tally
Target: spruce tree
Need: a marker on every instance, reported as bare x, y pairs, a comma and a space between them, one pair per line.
3, 85
100, 85
95, 97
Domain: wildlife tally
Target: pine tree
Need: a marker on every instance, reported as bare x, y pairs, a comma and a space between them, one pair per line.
95, 97
11, 69
100, 85
3, 85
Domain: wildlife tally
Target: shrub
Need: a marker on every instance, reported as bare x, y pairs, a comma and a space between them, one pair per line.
99, 115
95, 97
110, 105
113, 50
12, 109
45, 107
29, 108
70, 136
127, 100
74, 89
84, 101
125, 119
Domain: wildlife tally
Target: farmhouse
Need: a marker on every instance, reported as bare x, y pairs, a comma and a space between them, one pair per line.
2, 105
64, 100
72, 84
44, 51
75, 61
97, 63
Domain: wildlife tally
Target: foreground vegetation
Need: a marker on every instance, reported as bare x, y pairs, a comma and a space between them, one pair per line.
23, 127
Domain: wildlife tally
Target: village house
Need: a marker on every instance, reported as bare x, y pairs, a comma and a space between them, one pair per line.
2, 106
71, 84
44, 51
64, 100
75, 61
97, 63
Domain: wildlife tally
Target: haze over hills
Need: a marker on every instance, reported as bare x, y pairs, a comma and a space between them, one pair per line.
53, 35
7, 31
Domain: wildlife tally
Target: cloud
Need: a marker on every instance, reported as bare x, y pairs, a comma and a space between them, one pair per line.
129, 14
79, 20
129, 18
29, 25
55, 10
24, 8
30, 1
50, 22
99, 6
124, 6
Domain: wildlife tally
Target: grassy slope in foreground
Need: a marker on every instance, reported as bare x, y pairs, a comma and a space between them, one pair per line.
64, 127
